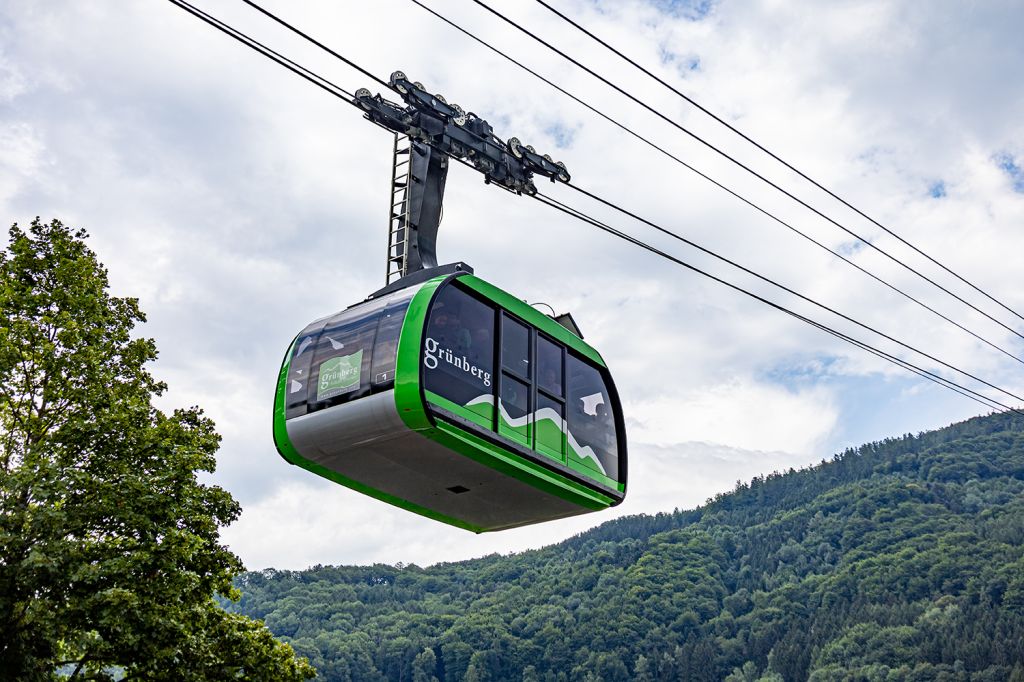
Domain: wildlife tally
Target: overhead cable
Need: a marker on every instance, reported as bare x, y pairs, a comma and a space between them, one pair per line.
740, 164
768, 280
942, 381
282, 22
718, 184
254, 44
345, 96
774, 156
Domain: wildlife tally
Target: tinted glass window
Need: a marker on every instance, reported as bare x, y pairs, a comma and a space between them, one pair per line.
385, 349
550, 426
515, 347
549, 366
515, 409
297, 386
591, 423
458, 348
340, 369
515, 398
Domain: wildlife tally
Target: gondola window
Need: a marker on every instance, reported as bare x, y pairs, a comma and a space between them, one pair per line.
592, 433
385, 350
340, 368
515, 413
458, 354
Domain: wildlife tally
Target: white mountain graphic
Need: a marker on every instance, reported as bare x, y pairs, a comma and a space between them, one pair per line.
583, 452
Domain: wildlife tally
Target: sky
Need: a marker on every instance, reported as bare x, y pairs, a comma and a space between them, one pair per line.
238, 203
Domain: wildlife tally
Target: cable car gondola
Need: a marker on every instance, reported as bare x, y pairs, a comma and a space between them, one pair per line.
453, 399
441, 393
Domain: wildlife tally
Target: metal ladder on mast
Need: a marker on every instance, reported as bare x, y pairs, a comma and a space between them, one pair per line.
398, 212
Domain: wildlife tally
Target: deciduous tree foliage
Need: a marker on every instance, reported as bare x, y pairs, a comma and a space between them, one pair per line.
109, 549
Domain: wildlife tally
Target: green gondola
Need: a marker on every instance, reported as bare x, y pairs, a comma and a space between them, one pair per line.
441, 393
455, 400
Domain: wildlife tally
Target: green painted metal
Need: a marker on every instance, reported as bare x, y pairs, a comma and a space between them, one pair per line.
411, 404
482, 415
288, 451
531, 315
550, 439
583, 465
408, 394
506, 461
502, 460
284, 445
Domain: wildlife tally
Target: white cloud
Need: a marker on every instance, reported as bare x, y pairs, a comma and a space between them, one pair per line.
239, 203
739, 414
22, 152
12, 80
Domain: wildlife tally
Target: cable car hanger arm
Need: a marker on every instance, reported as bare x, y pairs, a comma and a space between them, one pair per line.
452, 131
436, 131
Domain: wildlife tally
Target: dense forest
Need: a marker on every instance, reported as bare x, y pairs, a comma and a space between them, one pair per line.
900, 560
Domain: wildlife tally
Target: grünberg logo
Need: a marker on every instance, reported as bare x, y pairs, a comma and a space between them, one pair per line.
339, 375
432, 351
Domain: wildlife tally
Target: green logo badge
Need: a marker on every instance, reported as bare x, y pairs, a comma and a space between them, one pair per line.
339, 375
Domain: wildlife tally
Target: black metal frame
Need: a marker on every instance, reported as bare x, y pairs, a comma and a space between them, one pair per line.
528, 379
437, 131
538, 391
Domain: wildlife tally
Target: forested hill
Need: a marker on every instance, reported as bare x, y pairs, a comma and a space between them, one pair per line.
901, 560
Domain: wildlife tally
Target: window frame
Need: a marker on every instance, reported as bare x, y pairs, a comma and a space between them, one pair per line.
539, 391
528, 447
504, 370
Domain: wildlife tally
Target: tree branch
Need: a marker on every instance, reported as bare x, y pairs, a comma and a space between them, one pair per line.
78, 669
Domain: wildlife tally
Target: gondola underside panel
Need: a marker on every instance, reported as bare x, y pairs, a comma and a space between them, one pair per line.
367, 442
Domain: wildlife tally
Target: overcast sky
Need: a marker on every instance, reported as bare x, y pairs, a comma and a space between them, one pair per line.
239, 203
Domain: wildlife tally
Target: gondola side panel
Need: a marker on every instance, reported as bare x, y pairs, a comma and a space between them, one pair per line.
458, 428
409, 399
288, 451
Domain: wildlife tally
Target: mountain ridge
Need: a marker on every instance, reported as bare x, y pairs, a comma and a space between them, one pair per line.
902, 559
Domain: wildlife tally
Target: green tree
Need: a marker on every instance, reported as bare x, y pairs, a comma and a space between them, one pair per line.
109, 552
900, 560
643, 671
748, 673
472, 675
424, 666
